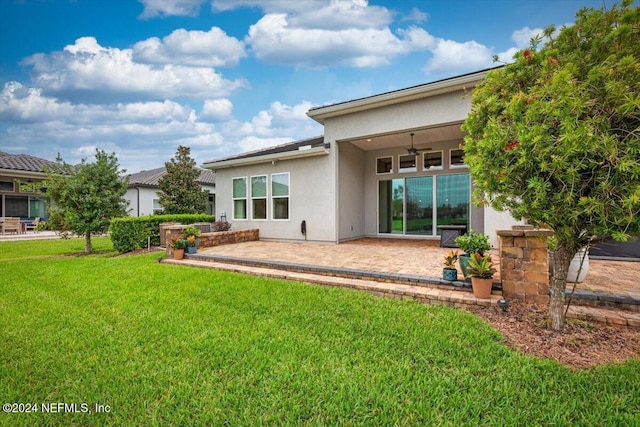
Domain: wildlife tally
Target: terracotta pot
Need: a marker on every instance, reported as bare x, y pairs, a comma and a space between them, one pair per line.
481, 287
178, 254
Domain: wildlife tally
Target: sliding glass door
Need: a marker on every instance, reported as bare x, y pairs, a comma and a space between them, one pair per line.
416, 205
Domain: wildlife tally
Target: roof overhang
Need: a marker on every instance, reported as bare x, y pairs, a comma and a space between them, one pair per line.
15, 173
301, 153
320, 114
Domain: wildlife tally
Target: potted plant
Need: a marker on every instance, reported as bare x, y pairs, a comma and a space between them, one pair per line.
178, 244
192, 233
481, 271
471, 243
449, 271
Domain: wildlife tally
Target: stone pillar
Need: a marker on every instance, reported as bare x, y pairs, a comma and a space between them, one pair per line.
524, 263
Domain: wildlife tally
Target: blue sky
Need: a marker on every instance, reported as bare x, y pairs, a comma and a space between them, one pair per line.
139, 78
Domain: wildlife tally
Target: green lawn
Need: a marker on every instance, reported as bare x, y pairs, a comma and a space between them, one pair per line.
167, 345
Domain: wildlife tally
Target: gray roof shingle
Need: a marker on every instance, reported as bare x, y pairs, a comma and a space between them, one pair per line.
25, 162
316, 141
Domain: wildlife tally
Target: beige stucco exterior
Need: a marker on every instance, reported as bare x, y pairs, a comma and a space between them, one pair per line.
336, 190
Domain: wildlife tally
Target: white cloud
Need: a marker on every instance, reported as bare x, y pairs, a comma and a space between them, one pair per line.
451, 55
142, 134
251, 143
523, 37
216, 110
88, 69
416, 15
153, 8
273, 40
211, 48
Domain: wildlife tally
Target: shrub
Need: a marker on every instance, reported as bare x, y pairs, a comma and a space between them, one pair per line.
131, 233
473, 242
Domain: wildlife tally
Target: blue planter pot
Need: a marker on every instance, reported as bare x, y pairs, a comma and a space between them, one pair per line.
450, 274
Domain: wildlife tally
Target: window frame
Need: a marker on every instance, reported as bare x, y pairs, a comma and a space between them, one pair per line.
433, 168
457, 165
273, 197
245, 198
414, 168
265, 197
153, 207
390, 170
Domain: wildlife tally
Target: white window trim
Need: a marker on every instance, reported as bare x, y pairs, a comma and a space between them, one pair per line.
280, 197
433, 168
407, 170
451, 165
376, 165
153, 208
246, 199
265, 198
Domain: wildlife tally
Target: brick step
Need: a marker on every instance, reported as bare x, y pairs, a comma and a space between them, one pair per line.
379, 276
458, 297
584, 297
424, 294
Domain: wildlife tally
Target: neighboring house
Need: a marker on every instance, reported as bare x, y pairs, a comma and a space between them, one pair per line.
21, 177
142, 193
360, 179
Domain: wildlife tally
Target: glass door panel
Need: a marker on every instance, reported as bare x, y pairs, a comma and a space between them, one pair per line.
452, 199
419, 205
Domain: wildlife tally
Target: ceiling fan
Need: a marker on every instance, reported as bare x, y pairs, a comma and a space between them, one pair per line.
414, 151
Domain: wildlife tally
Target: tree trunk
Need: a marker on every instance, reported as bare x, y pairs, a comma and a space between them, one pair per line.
87, 243
561, 260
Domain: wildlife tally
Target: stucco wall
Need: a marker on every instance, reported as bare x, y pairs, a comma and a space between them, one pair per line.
435, 110
351, 192
147, 194
311, 198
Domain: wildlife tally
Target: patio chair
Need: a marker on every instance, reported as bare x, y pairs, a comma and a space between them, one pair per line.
32, 225
11, 225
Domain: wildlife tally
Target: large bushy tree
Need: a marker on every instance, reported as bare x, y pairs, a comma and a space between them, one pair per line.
179, 191
554, 137
85, 197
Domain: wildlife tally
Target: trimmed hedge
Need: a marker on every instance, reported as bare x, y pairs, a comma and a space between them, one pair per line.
131, 233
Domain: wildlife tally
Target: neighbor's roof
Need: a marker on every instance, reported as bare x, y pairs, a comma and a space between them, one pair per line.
314, 142
25, 163
151, 178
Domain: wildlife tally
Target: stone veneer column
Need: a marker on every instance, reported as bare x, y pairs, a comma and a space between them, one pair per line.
524, 263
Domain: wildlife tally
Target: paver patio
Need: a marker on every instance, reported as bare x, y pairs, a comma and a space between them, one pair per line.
412, 257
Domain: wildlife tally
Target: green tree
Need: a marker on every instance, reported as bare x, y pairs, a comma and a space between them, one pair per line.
179, 191
554, 137
85, 197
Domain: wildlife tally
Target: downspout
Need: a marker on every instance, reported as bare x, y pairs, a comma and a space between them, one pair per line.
138, 202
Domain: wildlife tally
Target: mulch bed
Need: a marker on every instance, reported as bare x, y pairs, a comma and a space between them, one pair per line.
581, 345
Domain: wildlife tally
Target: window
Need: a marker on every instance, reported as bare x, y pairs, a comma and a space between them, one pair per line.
280, 195
384, 165
259, 197
240, 198
408, 163
432, 160
457, 158
211, 204
157, 208
6, 186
